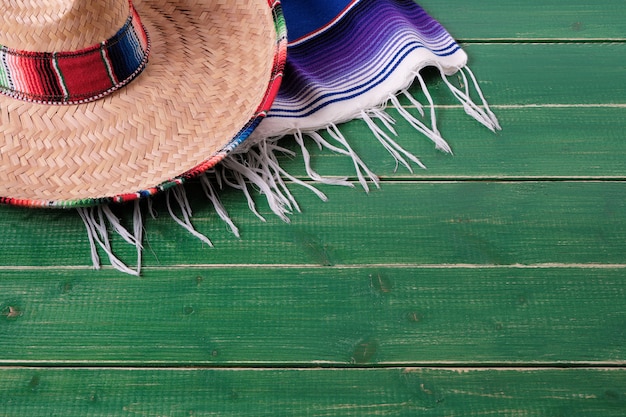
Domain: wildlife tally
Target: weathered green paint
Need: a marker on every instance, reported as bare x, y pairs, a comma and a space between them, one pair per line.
530, 20
312, 392
590, 145
430, 222
305, 316
510, 254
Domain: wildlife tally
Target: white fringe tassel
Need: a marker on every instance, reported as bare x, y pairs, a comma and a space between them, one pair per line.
483, 114
181, 198
212, 195
256, 165
95, 221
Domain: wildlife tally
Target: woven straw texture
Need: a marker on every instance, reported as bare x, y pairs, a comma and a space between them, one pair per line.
60, 25
210, 66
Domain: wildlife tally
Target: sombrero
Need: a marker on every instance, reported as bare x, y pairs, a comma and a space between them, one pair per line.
114, 100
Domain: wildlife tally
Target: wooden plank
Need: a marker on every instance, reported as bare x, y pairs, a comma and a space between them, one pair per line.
588, 144
315, 316
390, 392
538, 74
535, 19
562, 118
486, 223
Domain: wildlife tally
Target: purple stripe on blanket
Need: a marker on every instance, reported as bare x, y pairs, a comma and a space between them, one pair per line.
355, 54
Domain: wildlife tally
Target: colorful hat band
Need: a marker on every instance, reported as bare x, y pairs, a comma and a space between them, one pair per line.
77, 76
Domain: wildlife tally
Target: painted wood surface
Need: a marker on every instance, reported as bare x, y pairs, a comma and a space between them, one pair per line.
316, 316
530, 20
492, 283
430, 222
41, 392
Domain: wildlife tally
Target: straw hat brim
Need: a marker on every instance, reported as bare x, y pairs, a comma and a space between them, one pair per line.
214, 68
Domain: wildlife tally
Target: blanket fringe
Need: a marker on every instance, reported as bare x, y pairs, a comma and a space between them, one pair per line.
95, 219
482, 114
180, 196
257, 166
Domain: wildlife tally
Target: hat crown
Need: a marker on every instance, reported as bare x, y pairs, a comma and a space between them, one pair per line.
59, 25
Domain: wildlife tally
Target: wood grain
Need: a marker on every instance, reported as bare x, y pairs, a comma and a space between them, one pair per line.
42, 392
531, 20
431, 222
271, 316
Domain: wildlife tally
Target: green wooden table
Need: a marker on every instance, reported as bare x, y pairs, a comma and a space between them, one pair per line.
493, 283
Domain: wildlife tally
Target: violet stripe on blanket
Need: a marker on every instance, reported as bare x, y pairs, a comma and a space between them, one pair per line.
347, 58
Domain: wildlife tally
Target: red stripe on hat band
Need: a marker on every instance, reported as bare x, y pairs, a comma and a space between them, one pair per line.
76, 76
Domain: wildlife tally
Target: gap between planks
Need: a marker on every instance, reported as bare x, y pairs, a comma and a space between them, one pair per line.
315, 366
317, 266
453, 179
536, 106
